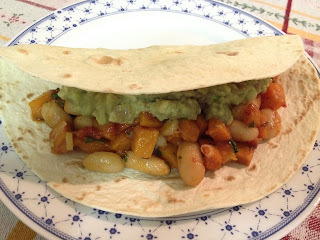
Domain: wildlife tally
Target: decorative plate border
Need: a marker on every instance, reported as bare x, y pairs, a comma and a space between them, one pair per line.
53, 26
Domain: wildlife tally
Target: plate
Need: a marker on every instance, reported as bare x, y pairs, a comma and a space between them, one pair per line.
140, 23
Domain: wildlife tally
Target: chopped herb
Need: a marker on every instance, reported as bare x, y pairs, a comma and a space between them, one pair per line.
159, 153
54, 93
234, 145
251, 124
167, 163
125, 158
180, 157
91, 139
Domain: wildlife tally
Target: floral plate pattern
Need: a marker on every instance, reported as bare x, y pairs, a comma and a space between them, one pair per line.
56, 217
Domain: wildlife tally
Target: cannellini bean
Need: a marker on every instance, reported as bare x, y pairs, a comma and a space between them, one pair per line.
52, 113
241, 132
190, 163
68, 107
83, 121
170, 127
273, 124
152, 165
106, 162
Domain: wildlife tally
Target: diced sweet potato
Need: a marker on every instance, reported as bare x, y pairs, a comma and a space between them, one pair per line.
169, 153
95, 145
144, 140
218, 130
251, 115
147, 120
121, 142
174, 138
212, 157
202, 123
57, 137
274, 97
227, 152
37, 103
189, 130
244, 154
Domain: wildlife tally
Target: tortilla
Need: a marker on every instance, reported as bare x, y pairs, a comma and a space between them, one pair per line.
135, 193
157, 69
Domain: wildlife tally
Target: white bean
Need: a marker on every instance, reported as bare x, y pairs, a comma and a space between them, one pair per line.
190, 163
241, 132
52, 113
153, 165
106, 162
83, 121
273, 123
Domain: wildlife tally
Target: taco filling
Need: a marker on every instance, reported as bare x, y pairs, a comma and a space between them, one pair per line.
151, 132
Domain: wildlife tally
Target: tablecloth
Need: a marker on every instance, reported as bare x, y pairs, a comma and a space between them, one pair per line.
300, 17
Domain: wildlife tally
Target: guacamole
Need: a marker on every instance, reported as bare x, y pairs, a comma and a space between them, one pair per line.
214, 102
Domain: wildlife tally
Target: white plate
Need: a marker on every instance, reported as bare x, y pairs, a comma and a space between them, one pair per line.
140, 23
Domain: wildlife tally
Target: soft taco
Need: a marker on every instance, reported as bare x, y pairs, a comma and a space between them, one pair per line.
156, 108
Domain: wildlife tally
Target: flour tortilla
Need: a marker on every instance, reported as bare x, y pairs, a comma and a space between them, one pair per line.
135, 193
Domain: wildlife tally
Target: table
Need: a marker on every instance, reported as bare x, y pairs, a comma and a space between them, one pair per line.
293, 17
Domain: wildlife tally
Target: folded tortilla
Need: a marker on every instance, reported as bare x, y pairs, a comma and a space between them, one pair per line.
161, 69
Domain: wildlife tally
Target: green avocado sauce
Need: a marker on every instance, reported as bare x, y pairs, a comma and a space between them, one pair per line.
214, 102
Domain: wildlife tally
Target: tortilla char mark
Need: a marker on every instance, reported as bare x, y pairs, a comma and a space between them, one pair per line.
23, 51
104, 60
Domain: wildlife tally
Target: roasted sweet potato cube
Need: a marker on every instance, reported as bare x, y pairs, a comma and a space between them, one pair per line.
218, 130
189, 130
57, 137
274, 97
202, 123
97, 145
169, 153
37, 103
147, 120
144, 140
244, 154
212, 157
227, 152
121, 143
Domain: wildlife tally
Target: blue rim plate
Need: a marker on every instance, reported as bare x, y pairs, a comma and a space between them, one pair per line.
139, 23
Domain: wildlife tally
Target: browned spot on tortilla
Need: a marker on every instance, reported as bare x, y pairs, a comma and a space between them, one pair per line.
67, 75
296, 167
84, 178
19, 138
23, 51
177, 52
23, 99
134, 86
119, 179
7, 101
272, 145
15, 145
55, 185
30, 95
228, 53
66, 52
252, 167
45, 140
218, 188
30, 131
83, 195
230, 178
74, 163
287, 131
107, 60
274, 187
303, 152
175, 200
313, 135
307, 107
206, 195
25, 157
0, 96
64, 180
98, 187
